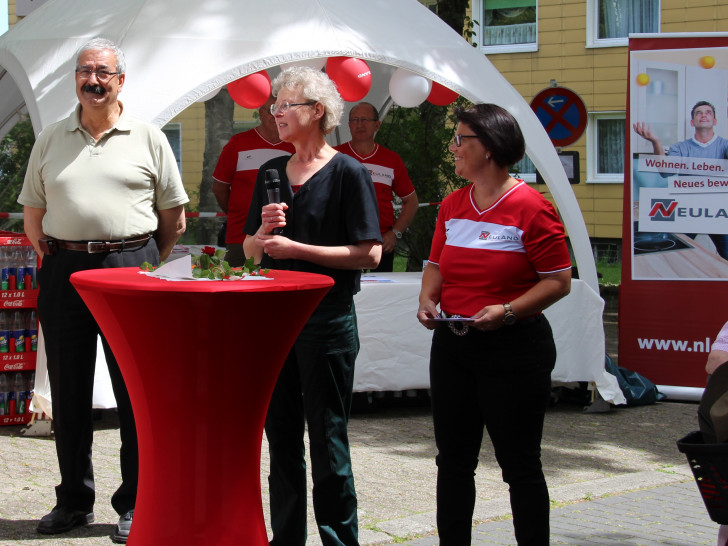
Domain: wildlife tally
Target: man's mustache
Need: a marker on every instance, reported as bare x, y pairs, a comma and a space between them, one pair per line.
97, 89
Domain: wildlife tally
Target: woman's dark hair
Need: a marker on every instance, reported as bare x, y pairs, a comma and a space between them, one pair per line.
497, 130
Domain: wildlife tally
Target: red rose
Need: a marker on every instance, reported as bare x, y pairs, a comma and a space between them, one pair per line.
209, 250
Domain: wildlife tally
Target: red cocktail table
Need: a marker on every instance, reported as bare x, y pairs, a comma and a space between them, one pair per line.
200, 360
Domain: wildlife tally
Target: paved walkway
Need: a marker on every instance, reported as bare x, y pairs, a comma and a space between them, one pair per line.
614, 478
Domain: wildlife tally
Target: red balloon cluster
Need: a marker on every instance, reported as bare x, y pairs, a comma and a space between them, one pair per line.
352, 77
251, 91
441, 95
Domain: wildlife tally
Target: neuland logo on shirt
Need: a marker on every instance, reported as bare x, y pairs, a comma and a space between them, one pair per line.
483, 235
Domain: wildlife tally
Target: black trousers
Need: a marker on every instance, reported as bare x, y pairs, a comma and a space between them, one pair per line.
499, 381
70, 331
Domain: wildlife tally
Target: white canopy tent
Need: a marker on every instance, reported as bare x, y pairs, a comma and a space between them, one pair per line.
178, 52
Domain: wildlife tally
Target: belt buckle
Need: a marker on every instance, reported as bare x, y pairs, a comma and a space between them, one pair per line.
458, 328
92, 247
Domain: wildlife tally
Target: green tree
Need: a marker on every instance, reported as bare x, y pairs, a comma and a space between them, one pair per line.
421, 136
15, 149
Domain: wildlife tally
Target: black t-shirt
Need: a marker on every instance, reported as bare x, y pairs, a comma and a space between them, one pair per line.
337, 206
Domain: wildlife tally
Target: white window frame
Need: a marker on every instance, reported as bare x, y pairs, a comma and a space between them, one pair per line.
592, 176
504, 48
592, 27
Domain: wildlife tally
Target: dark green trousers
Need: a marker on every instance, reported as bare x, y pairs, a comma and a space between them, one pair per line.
315, 389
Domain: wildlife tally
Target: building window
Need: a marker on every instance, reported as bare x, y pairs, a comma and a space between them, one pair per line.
525, 170
609, 22
506, 26
605, 147
173, 132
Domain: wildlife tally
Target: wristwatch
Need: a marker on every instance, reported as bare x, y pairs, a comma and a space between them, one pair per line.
510, 317
397, 234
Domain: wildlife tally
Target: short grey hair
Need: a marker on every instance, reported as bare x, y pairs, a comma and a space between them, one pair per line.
317, 86
98, 44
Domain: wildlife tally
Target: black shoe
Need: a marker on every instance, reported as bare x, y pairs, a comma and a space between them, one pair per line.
63, 519
121, 532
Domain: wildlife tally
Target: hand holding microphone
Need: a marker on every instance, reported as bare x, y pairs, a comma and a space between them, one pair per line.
273, 187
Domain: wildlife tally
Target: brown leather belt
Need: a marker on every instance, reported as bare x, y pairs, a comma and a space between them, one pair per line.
50, 246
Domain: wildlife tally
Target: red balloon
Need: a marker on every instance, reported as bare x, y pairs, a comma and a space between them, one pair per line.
333, 64
352, 77
441, 95
251, 91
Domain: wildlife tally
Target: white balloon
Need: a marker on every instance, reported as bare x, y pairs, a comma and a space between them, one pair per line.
205, 98
316, 64
409, 89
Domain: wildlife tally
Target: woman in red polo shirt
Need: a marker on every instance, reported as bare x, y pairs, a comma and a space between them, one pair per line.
498, 258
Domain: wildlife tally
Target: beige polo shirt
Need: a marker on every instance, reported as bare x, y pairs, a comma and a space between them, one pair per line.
108, 189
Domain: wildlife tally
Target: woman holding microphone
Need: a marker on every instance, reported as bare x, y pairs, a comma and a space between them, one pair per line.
327, 223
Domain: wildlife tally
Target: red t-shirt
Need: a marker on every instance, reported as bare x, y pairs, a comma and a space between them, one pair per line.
389, 176
493, 256
238, 166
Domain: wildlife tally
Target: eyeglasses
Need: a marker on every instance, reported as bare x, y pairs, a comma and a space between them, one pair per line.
284, 107
354, 121
458, 140
101, 75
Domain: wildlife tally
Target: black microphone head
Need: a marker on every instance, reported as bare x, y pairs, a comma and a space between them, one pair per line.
271, 179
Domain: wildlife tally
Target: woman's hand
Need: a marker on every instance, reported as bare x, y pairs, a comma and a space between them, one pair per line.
489, 318
426, 312
429, 295
277, 247
273, 215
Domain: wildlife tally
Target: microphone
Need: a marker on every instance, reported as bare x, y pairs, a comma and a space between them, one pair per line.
273, 187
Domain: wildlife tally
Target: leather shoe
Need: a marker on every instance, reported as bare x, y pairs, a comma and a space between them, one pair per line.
62, 519
121, 532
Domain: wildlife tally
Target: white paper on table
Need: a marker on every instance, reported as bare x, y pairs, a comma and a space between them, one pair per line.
372, 278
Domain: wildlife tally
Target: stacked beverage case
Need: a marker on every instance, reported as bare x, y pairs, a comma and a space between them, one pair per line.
18, 327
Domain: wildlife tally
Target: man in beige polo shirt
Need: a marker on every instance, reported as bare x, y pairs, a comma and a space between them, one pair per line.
102, 190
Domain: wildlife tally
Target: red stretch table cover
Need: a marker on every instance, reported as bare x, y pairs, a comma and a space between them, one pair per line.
199, 399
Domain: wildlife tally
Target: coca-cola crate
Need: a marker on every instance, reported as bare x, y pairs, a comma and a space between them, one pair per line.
13, 362
18, 298
23, 419
18, 291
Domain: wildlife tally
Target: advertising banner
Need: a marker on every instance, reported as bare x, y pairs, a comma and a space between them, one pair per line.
674, 294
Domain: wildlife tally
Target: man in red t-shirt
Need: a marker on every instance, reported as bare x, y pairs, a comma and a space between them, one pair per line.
388, 174
235, 174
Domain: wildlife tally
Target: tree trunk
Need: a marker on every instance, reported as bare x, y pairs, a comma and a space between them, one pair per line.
218, 130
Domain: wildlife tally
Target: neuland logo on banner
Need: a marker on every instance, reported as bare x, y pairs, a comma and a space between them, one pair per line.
691, 202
